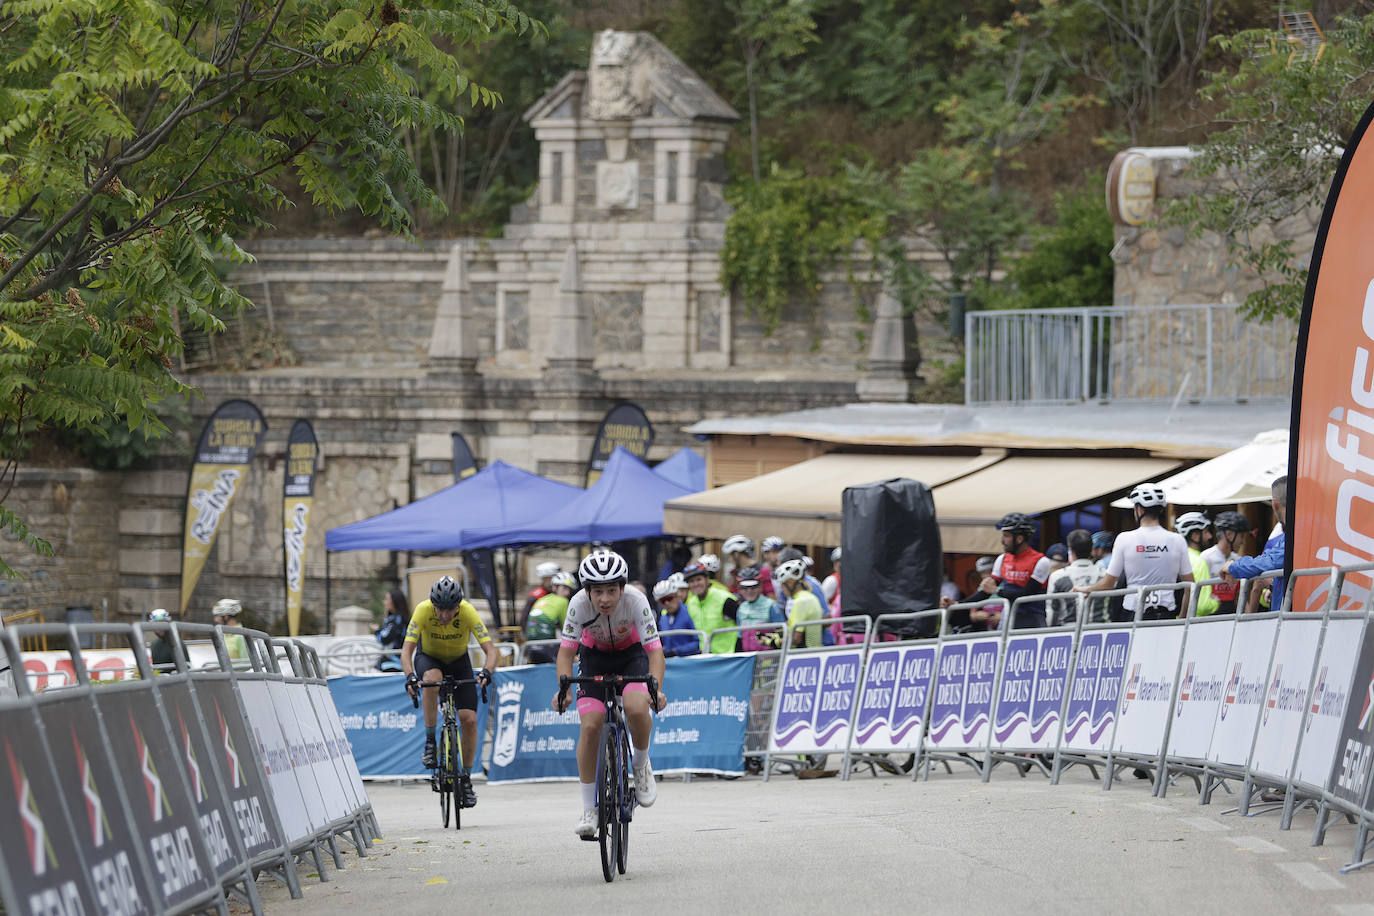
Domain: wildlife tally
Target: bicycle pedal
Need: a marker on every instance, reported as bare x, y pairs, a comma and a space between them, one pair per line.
588, 839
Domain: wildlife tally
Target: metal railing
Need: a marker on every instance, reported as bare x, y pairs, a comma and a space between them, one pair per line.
1141, 353
34, 642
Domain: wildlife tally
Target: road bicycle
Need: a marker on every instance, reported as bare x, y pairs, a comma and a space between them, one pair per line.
615, 798
448, 747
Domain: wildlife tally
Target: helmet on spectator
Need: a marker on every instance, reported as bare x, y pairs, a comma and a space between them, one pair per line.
1016, 522
791, 571
566, 579
227, 607
772, 542
1058, 552
1189, 522
738, 543
1231, 521
1104, 539
985, 564
664, 589
603, 567
678, 579
710, 561
1147, 495
748, 577
693, 570
809, 563
159, 614
835, 555
445, 594
545, 570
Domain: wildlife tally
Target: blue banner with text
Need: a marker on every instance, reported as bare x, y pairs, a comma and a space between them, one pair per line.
386, 731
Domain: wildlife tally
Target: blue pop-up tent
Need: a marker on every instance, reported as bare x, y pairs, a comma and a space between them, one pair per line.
625, 503
685, 468
499, 495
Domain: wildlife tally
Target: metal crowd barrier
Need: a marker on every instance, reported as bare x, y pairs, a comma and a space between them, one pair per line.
166, 791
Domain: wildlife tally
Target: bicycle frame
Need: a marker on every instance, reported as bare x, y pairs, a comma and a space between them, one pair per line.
449, 759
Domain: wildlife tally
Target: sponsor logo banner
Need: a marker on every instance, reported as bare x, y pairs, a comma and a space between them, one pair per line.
816, 702
1286, 698
1247, 667
244, 785
624, 426
1149, 694
1034, 680
298, 491
1327, 703
224, 454
1202, 687
1349, 780
1095, 692
892, 707
267, 740
962, 708
385, 732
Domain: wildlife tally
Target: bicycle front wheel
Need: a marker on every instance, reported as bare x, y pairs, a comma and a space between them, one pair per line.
453, 764
607, 803
443, 777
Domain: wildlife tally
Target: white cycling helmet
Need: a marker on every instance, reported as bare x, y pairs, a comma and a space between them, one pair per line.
738, 543
158, 615
544, 570
678, 580
1148, 494
791, 571
710, 561
565, 578
835, 555
227, 607
772, 542
663, 589
1189, 522
809, 562
603, 567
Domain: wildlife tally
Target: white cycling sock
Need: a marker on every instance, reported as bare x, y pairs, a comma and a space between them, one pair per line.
588, 795
641, 756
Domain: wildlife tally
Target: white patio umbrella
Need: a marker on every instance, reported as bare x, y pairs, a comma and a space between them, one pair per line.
1239, 476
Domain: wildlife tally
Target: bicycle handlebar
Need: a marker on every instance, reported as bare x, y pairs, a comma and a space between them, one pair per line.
615, 681
446, 682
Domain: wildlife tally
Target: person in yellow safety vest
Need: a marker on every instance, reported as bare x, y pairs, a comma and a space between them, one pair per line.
711, 608
1193, 526
712, 564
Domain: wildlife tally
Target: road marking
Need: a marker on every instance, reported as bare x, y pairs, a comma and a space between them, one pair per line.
1310, 876
1255, 844
1205, 824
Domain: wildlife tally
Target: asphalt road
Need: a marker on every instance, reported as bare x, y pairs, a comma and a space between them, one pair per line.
951, 844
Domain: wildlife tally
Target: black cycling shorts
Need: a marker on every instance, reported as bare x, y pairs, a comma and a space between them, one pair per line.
631, 662
461, 667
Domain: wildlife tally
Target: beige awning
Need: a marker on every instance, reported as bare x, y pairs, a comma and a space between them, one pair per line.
802, 503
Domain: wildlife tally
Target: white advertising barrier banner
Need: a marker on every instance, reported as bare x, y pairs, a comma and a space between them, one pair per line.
1095, 691
1147, 698
1201, 686
340, 749
275, 755
323, 802
1285, 697
1331, 693
1030, 698
55, 669
1247, 668
815, 702
892, 705
962, 708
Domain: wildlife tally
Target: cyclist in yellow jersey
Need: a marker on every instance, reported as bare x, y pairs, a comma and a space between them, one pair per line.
436, 647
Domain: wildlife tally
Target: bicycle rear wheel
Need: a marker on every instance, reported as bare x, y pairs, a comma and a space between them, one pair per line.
607, 807
625, 808
441, 774
453, 764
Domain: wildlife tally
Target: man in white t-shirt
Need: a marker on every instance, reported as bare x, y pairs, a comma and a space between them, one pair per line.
1149, 555
1081, 570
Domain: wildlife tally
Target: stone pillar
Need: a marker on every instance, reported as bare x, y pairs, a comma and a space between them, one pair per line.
574, 350
893, 355
453, 342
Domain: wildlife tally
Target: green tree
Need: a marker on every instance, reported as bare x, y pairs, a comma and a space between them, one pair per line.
1283, 121
769, 33
136, 138
1069, 263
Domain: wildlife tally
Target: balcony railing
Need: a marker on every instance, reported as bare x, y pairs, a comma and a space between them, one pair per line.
1138, 353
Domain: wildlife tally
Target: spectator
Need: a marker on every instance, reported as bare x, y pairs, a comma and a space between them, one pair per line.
1081, 570
680, 583
769, 548
1058, 555
226, 614
803, 606
1273, 555
1102, 548
545, 572
830, 587
813, 585
1231, 528
740, 550
756, 608
960, 621
547, 616
392, 632
673, 615
711, 563
711, 606
160, 648
1149, 555
1021, 570
947, 588
1193, 526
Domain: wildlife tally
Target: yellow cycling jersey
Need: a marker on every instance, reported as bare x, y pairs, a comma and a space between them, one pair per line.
445, 643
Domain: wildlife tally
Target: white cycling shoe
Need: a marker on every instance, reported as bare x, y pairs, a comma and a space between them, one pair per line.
646, 790
586, 827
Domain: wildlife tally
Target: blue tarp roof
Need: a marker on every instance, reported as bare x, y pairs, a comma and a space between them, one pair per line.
625, 503
685, 468
498, 495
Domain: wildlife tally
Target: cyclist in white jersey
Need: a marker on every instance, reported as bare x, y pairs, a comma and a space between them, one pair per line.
1149, 555
610, 629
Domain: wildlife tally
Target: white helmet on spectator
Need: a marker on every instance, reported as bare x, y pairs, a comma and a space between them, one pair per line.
603, 567
678, 580
772, 542
985, 564
791, 571
710, 561
663, 589
159, 614
835, 555
1189, 522
545, 570
1148, 494
809, 563
737, 543
566, 579
227, 607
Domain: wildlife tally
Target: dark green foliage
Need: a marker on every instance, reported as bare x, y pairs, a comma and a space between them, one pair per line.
1069, 263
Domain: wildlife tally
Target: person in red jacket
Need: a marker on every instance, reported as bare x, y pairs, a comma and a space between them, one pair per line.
1021, 570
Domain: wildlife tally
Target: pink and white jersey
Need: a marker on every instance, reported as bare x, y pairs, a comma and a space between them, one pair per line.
631, 622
